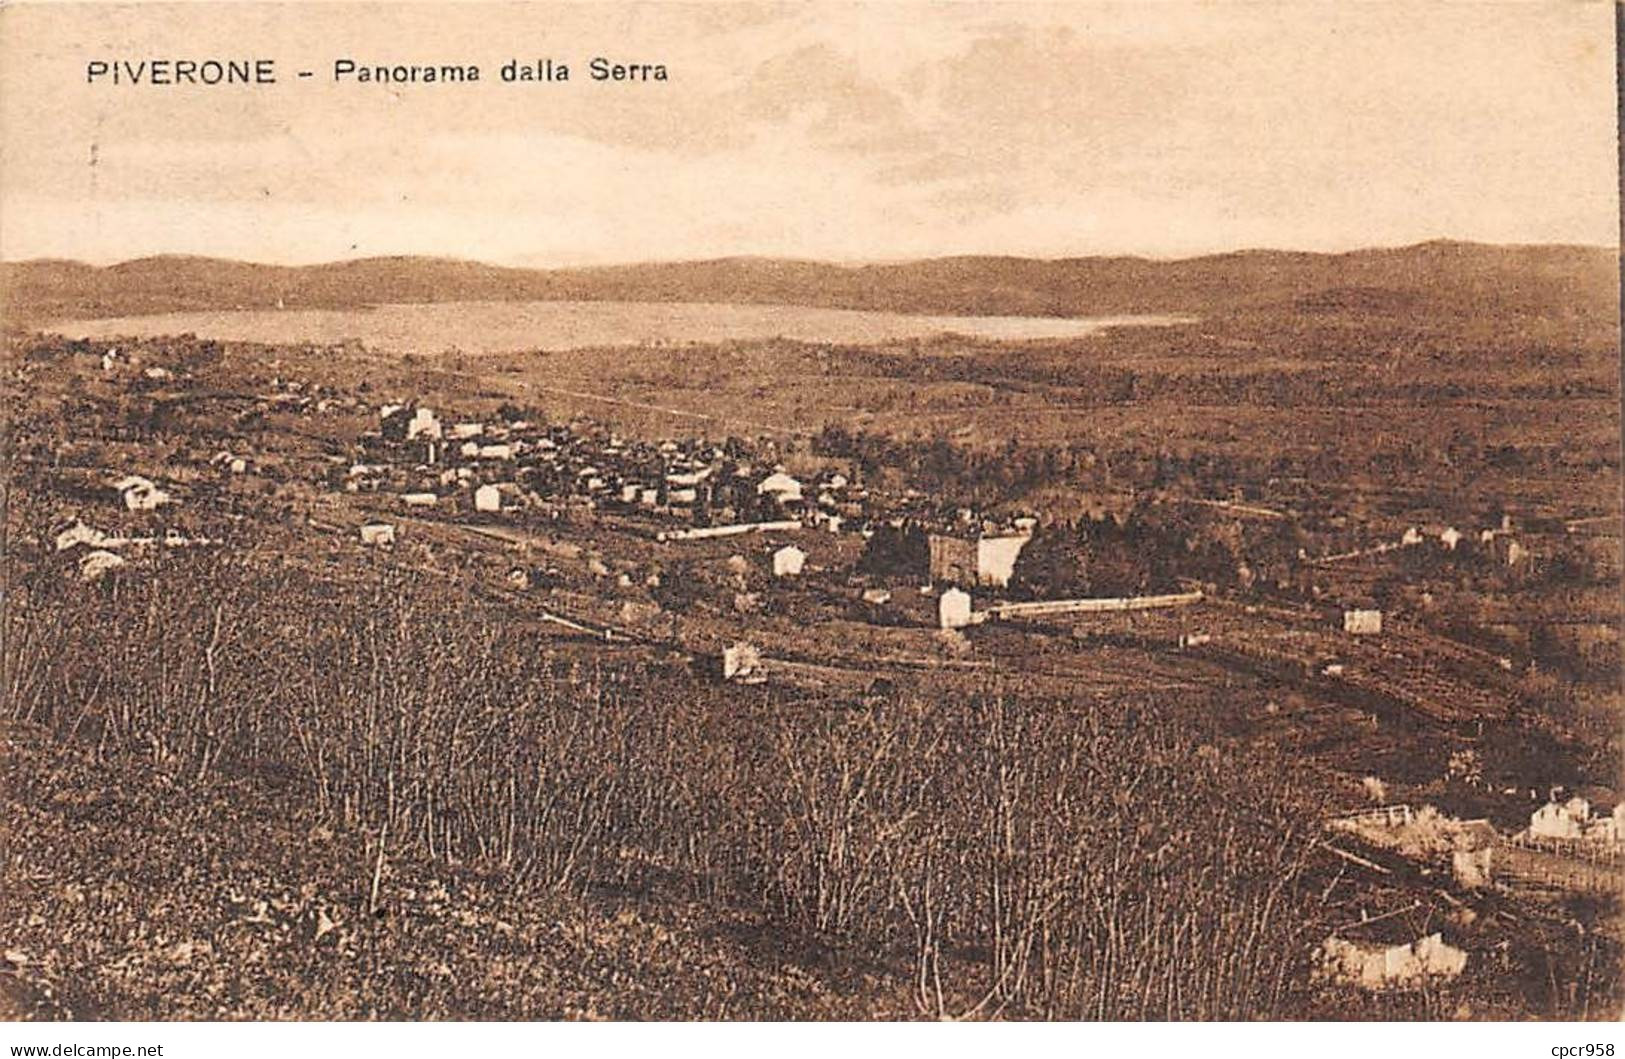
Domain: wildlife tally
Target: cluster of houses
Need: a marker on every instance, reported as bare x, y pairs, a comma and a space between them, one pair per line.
511, 464
1499, 542
699, 489
1563, 835
1575, 819
99, 552
1381, 965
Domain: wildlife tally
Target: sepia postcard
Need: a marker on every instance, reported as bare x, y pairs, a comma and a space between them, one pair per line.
873, 512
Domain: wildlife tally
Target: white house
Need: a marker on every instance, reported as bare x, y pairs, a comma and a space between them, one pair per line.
1450, 538
1567, 820
996, 558
140, 494
377, 533
487, 498
419, 499
953, 609
788, 561
1575, 819
780, 486
1610, 828
423, 425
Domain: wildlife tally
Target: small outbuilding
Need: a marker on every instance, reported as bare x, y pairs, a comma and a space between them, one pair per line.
98, 564
1362, 622
140, 494
742, 662
78, 534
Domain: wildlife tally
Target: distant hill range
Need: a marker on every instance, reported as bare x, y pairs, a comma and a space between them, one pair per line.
1468, 278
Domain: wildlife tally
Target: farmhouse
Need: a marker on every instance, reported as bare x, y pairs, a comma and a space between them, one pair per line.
986, 560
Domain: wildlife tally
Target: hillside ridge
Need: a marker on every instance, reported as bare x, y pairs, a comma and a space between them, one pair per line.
1437, 276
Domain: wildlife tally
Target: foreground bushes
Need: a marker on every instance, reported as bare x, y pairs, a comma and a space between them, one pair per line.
1081, 859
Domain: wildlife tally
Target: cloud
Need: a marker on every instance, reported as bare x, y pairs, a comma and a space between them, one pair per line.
844, 131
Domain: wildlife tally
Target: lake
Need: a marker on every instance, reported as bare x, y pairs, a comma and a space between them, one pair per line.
500, 327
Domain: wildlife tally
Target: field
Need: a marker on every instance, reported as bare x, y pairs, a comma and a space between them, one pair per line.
496, 761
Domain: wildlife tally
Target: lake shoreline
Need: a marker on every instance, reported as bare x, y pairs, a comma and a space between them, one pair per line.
502, 327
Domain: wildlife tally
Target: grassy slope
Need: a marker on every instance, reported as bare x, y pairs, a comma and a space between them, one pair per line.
131, 895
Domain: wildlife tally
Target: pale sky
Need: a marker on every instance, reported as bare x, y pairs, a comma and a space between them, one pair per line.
830, 131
